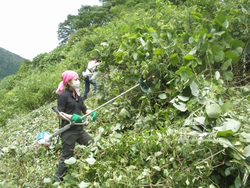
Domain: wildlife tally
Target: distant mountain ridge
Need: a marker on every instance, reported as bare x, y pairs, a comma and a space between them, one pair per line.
9, 63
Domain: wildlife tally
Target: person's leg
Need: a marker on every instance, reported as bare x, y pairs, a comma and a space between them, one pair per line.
84, 138
93, 83
86, 80
68, 145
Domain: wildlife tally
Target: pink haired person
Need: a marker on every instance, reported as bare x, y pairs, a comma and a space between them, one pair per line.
71, 105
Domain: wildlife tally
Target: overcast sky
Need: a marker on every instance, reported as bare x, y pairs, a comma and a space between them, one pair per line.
29, 27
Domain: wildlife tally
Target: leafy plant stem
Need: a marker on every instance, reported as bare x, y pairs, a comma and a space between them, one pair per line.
209, 157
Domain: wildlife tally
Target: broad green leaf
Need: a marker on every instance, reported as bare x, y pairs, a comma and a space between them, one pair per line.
174, 59
149, 46
238, 51
226, 24
149, 118
189, 57
70, 179
236, 43
56, 184
247, 151
162, 96
228, 75
227, 171
83, 184
245, 91
171, 159
217, 75
189, 71
198, 60
183, 98
213, 110
237, 182
187, 182
184, 76
117, 135
231, 55
135, 55
70, 161
216, 48
226, 64
225, 142
158, 153
90, 160
238, 143
226, 133
182, 68
127, 80
231, 124
47, 180
158, 51
200, 120
219, 56
151, 29
124, 113
180, 106
169, 35
156, 168
219, 33
142, 41
204, 47
218, 53
211, 186
191, 40
194, 89
154, 35
246, 136
226, 107
193, 51
104, 44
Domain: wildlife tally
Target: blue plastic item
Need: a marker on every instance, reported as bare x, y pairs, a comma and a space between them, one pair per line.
42, 135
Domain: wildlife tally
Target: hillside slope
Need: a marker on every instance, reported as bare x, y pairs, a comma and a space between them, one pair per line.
9, 63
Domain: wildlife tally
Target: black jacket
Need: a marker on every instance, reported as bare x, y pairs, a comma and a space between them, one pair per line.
70, 105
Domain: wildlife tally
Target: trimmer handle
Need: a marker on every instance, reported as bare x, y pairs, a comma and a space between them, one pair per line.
59, 113
56, 110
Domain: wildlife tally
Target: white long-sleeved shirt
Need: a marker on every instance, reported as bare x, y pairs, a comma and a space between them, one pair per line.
91, 67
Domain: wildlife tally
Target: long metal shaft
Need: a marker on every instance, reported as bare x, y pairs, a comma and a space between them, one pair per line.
59, 131
111, 100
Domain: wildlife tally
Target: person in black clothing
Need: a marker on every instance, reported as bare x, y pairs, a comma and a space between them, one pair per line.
70, 104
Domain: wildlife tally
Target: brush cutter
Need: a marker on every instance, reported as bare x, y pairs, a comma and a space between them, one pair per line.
44, 138
151, 80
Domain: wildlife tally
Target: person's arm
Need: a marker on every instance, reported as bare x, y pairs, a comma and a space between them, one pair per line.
66, 115
92, 66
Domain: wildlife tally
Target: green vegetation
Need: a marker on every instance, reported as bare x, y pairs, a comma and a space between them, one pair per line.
192, 130
9, 63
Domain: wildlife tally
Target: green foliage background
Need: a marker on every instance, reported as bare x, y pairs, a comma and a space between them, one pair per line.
192, 130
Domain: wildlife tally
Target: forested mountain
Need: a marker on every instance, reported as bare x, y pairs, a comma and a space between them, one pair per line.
190, 130
9, 63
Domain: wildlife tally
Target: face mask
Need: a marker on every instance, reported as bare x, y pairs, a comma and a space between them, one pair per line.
76, 84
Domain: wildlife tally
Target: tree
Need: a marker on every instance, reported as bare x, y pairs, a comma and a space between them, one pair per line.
66, 28
87, 16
